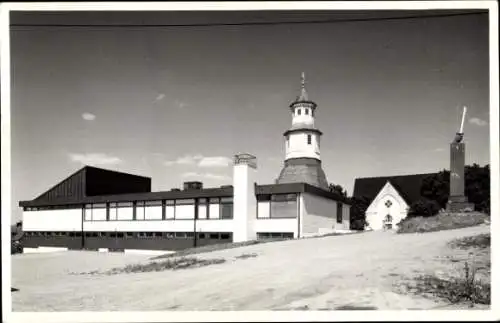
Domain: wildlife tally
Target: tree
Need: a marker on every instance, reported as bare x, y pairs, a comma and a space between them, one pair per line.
358, 212
436, 187
337, 189
424, 208
477, 187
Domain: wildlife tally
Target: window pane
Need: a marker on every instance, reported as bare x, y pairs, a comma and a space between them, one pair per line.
214, 200
99, 206
125, 204
185, 202
153, 203
226, 211
284, 209
264, 197
226, 200
283, 197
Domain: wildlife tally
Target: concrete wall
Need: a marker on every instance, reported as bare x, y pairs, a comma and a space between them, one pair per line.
159, 226
377, 210
244, 201
276, 225
53, 220
319, 214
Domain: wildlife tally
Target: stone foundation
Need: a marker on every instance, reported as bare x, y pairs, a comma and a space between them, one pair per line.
459, 204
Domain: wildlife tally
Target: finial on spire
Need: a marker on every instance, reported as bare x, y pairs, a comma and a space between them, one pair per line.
303, 93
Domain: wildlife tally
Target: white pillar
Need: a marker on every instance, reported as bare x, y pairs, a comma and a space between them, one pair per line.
244, 200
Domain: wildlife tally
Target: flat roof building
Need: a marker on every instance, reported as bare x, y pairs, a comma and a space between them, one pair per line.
96, 208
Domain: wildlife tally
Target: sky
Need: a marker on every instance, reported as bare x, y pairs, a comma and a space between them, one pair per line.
176, 103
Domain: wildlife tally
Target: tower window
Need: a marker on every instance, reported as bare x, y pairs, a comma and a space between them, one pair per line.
307, 111
299, 111
308, 139
288, 141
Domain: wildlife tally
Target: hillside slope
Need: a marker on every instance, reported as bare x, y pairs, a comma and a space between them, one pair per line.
353, 271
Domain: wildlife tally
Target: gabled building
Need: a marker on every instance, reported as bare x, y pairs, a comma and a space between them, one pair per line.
390, 198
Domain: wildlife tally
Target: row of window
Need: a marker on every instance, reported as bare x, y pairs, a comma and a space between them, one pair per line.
274, 235
213, 208
131, 235
306, 111
201, 201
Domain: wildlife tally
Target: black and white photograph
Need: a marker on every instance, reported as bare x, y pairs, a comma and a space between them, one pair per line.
233, 157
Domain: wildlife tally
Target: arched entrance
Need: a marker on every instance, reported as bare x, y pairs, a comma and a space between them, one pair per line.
387, 224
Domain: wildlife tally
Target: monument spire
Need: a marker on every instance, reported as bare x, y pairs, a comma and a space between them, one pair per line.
458, 201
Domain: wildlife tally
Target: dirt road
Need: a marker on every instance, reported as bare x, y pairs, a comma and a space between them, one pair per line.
354, 271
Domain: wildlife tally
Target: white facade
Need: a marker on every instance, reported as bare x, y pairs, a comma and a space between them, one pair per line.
53, 220
244, 201
303, 144
294, 214
319, 214
387, 209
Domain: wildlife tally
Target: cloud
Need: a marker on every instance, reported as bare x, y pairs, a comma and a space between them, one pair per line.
88, 116
184, 160
160, 97
200, 161
95, 159
180, 104
478, 122
206, 176
217, 161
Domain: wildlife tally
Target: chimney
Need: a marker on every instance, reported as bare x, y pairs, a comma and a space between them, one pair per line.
244, 201
189, 186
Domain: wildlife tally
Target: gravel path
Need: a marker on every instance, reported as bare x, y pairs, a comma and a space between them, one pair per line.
353, 271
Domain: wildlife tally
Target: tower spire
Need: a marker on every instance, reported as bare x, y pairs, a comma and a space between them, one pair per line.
303, 93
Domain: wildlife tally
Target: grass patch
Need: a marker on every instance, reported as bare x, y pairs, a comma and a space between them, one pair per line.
246, 256
169, 264
480, 241
214, 247
463, 290
443, 221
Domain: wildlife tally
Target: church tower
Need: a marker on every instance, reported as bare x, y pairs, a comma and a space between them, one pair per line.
302, 144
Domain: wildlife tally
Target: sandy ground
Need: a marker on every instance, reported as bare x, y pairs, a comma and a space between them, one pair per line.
359, 270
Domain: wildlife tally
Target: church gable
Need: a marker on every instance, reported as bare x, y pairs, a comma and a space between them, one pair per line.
389, 195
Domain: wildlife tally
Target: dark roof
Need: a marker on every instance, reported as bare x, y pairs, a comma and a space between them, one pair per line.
146, 196
186, 194
287, 188
92, 181
408, 186
302, 129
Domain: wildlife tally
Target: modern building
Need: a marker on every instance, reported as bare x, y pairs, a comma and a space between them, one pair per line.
390, 198
103, 209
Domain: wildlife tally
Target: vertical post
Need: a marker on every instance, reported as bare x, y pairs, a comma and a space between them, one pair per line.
196, 202
244, 200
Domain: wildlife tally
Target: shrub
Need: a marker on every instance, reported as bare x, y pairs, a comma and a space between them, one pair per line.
442, 221
466, 289
424, 208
